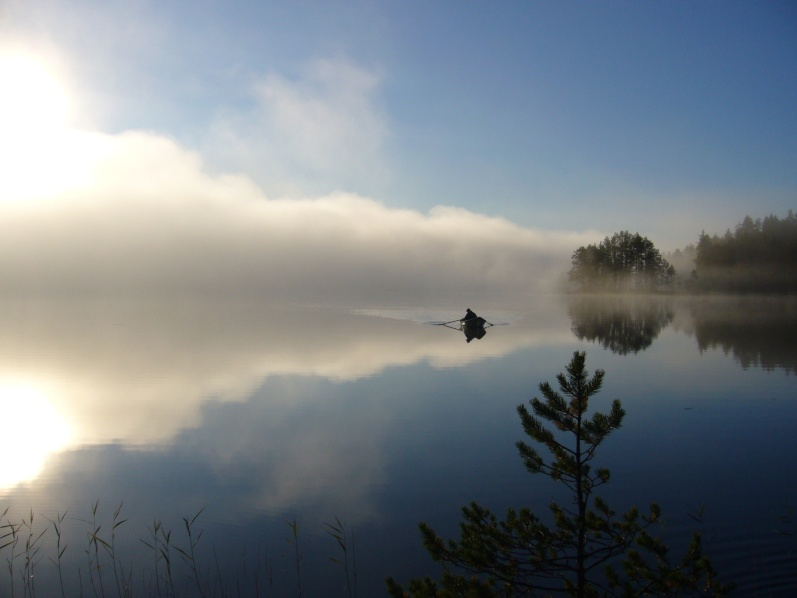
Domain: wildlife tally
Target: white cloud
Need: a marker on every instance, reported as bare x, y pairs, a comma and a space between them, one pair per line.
321, 131
328, 113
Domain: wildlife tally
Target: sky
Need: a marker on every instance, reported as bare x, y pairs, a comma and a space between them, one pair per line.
360, 150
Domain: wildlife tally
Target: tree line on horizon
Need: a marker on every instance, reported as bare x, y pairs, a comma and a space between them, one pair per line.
758, 256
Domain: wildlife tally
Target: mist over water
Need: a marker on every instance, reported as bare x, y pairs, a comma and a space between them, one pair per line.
150, 221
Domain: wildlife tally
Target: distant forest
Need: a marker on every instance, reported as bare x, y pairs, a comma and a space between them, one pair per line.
759, 256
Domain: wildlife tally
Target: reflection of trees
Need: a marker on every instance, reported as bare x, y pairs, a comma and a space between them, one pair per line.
760, 332
757, 331
623, 324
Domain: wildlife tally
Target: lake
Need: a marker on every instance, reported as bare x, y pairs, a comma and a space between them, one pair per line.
271, 423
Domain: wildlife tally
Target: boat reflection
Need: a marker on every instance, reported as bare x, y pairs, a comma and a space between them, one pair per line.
471, 325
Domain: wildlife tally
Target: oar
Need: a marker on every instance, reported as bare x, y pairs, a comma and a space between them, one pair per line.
445, 323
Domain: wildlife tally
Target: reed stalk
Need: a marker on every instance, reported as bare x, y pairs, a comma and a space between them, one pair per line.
338, 532
189, 556
297, 556
59, 550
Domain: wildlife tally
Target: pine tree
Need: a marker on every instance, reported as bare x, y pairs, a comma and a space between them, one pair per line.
589, 550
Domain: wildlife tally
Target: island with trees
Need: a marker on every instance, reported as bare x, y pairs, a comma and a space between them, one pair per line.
759, 256
624, 262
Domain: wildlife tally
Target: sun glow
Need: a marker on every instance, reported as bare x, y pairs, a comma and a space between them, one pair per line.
31, 99
32, 430
39, 153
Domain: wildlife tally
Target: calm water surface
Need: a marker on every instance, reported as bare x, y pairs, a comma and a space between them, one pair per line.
265, 417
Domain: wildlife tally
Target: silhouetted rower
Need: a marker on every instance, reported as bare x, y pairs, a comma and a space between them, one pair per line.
469, 316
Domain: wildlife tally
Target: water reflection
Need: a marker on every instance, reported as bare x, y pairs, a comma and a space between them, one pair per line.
261, 413
138, 372
621, 323
32, 422
758, 331
474, 329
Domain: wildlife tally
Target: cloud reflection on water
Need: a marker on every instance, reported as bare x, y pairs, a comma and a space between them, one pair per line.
138, 372
241, 387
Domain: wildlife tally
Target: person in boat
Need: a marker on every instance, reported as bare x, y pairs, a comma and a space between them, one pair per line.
473, 326
469, 316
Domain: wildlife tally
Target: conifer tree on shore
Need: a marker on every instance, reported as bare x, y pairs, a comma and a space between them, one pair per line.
588, 550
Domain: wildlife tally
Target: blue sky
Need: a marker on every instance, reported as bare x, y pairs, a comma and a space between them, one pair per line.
578, 118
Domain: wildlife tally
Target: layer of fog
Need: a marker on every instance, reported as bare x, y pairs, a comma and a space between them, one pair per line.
140, 215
